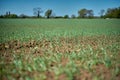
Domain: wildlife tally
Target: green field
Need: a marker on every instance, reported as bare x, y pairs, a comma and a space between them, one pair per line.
56, 49
37, 29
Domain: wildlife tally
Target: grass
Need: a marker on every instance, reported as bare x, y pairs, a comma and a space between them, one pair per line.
55, 49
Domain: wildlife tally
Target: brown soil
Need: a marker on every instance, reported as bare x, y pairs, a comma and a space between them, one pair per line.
62, 77
50, 75
102, 71
65, 45
83, 75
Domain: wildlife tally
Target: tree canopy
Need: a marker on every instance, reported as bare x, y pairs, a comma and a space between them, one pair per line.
113, 13
84, 13
66, 16
48, 13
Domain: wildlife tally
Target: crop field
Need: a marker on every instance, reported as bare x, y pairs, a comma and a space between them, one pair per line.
60, 49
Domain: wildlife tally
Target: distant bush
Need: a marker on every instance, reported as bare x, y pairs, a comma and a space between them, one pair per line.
23, 16
66, 16
9, 16
12, 16
1, 16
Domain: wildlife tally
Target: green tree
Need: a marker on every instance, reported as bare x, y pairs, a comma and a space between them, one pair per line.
37, 11
13, 16
23, 16
82, 13
48, 13
1, 16
9, 15
66, 16
113, 13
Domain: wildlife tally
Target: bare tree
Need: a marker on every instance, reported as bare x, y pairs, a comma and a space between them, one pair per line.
73, 16
9, 13
90, 13
37, 11
102, 12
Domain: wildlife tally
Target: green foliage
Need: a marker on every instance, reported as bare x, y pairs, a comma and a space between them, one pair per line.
113, 13
1, 16
48, 13
10, 16
23, 16
13, 16
66, 16
84, 13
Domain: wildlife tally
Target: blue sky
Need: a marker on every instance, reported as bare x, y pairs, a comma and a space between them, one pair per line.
59, 7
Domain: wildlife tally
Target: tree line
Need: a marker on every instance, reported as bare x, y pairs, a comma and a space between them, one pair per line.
82, 13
